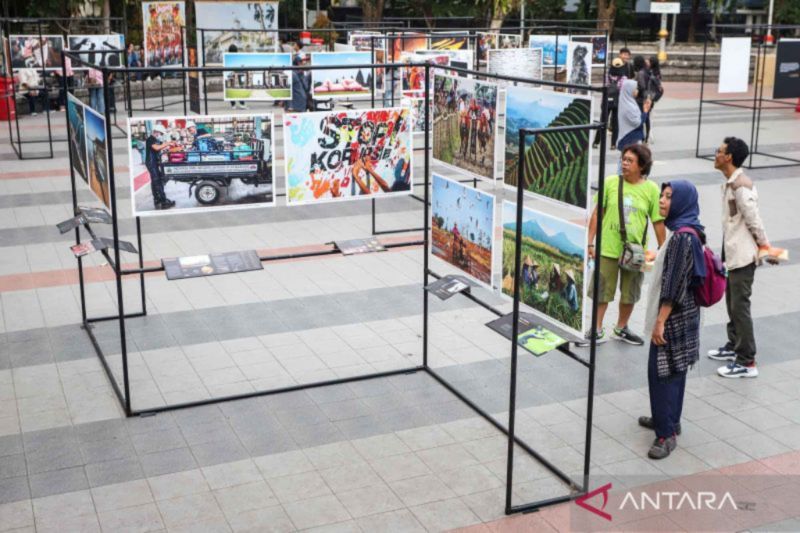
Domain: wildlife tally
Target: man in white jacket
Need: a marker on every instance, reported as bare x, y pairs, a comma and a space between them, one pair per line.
742, 237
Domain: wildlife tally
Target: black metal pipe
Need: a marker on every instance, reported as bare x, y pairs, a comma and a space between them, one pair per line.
304, 386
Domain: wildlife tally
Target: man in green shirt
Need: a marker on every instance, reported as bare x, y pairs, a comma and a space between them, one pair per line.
640, 205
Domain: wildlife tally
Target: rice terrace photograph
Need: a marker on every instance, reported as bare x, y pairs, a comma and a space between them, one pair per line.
464, 120
259, 84
462, 227
556, 164
552, 273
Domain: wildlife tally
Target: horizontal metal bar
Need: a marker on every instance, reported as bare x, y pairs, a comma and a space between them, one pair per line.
572, 355
234, 397
280, 257
556, 129
548, 83
471, 296
489, 418
389, 231
535, 506
113, 317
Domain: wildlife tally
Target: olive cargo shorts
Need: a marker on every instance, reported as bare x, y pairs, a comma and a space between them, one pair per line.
630, 283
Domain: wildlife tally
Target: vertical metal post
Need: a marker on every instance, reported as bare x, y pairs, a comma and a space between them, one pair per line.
115, 233
512, 394
184, 73
74, 200
601, 180
756, 104
141, 263
372, 57
702, 92
425, 226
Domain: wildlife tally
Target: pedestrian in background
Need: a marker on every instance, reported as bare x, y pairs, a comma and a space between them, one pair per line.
655, 90
630, 118
743, 236
673, 316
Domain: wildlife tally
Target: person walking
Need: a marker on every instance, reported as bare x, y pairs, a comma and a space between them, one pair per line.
673, 316
639, 197
617, 74
655, 90
625, 56
96, 99
630, 118
743, 238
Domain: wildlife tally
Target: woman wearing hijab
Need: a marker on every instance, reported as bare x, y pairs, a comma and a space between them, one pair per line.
673, 315
631, 119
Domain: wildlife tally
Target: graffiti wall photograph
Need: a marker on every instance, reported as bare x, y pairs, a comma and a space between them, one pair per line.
347, 155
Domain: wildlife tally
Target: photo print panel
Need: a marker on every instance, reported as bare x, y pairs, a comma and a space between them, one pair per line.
493, 41
343, 82
163, 33
787, 69
517, 62
417, 107
599, 47
363, 42
201, 163
407, 42
457, 58
579, 65
259, 84
97, 155
457, 40
412, 73
464, 124
347, 155
462, 227
90, 45
76, 128
548, 45
248, 26
31, 51
553, 265
556, 165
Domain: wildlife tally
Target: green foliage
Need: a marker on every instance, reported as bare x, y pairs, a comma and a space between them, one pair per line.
545, 9
541, 299
787, 12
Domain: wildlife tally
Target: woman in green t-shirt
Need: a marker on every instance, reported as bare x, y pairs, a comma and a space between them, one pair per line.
640, 205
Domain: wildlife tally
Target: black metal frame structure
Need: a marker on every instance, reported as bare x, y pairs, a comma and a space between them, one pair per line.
112, 256
756, 104
11, 96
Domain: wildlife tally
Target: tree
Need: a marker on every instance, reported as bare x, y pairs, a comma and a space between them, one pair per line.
373, 10
693, 20
606, 14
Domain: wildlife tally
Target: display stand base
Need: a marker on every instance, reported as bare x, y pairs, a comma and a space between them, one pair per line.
448, 286
535, 334
359, 246
199, 266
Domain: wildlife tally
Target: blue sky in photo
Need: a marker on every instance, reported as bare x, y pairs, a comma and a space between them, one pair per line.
340, 58
256, 60
551, 225
536, 105
466, 206
95, 126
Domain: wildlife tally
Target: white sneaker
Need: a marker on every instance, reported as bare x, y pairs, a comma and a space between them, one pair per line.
242, 106
735, 370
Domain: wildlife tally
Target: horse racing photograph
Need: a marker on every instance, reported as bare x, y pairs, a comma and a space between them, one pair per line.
464, 121
462, 227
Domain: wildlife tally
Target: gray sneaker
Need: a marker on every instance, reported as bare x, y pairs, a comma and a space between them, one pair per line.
600, 338
661, 448
626, 335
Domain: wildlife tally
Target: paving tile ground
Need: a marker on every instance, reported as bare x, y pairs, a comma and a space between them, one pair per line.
398, 453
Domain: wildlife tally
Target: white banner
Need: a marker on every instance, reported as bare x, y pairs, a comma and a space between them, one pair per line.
734, 65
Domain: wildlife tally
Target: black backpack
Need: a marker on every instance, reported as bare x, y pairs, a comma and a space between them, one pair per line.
655, 88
